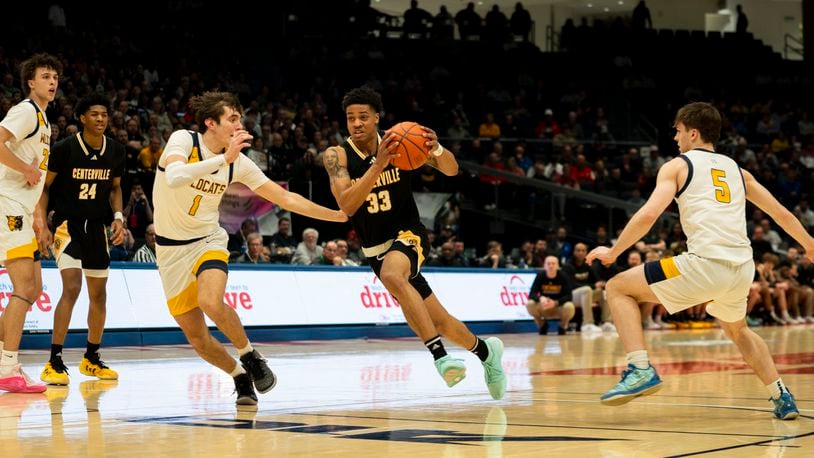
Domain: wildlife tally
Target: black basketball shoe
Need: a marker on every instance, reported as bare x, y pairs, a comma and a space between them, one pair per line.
254, 363
245, 391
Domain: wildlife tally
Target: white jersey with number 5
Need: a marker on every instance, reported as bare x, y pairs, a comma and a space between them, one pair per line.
190, 212
712, 206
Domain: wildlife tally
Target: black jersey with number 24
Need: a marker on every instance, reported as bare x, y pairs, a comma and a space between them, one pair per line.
84, 178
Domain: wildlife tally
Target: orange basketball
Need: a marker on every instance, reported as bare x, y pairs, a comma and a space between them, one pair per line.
413, 153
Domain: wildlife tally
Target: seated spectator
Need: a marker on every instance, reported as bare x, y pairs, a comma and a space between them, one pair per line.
458, 131
238, 242
548, 127
489, 128
461, 253
329, 256
148, 156
355, 249
342, 253
259, 155
550, 297
255, 254
146, 253
307, 251
282, 244
447, 258
494, 257
771, 235
587, 291
773, 289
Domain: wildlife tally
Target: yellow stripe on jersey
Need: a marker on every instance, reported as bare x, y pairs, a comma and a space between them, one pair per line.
668, 265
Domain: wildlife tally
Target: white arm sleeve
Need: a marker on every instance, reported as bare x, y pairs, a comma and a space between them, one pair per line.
179, 174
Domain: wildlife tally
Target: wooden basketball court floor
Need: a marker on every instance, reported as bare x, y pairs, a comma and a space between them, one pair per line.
383, 398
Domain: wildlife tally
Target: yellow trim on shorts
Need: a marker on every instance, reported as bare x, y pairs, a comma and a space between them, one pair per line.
184, 302
23, 251
668, 265
408, 238
210, 256
61, 237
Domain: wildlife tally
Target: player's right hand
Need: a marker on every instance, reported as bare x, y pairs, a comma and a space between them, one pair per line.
240, 141
33, 175
603, 254
387, 150
44, 236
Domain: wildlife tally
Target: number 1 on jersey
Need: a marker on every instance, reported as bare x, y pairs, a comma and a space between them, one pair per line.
721, 188
196, 202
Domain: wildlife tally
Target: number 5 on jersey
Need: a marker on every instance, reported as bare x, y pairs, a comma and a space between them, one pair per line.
721, 187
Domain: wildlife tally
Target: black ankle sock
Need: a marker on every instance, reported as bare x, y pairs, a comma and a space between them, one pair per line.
436, 347
92, 352
480, 349
56, 352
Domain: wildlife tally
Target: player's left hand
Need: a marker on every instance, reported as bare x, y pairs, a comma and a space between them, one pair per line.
116, 232
602, 253
43, 234
432, 138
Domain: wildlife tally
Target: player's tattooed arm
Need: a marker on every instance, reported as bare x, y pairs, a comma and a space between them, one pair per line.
335, 169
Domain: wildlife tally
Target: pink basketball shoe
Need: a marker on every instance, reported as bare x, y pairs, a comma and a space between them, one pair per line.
19, 382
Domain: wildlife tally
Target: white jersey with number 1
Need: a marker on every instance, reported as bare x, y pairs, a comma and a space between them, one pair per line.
191, 211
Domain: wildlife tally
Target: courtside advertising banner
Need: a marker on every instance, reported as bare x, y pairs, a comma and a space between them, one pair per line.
282, 297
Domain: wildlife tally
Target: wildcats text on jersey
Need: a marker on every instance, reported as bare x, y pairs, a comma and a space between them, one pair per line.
209, 187
387, 177
90, 174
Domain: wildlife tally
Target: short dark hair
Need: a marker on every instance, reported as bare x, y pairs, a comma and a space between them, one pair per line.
363, 96
213, 105
703, 117
28, 69
92, 99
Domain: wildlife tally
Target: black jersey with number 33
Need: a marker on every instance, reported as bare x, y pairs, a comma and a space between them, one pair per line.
390, 206
84, 178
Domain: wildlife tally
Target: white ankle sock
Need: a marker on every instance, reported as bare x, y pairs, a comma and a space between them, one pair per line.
237, 370
8, 360
247, 349
1, 346
776, 388
639, 359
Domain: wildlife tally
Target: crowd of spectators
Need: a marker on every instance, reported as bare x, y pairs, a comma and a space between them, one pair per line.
551, 126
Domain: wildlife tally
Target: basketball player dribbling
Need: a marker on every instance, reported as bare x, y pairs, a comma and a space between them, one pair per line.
378, 197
